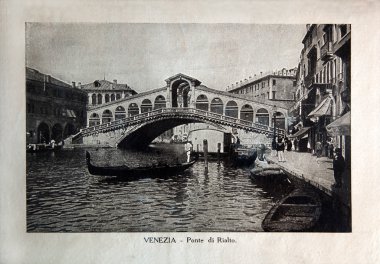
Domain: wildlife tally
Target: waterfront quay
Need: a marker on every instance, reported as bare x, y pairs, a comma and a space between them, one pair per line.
303, 168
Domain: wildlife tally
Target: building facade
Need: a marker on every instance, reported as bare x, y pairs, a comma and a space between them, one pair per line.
103, 91
323, 86
54, 109
280, 85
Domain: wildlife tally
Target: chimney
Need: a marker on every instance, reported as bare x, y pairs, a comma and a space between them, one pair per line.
261, 73
79, 85
73, 84
115, 81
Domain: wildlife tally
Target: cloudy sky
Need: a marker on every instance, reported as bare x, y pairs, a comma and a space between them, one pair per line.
144, 55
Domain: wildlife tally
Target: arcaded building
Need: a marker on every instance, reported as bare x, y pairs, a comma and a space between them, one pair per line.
103, 91
54, 109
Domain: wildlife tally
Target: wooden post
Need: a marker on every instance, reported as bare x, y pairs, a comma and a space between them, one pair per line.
205, 152
219, 152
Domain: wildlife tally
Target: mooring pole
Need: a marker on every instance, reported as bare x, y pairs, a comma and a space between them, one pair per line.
205, 152
219, 152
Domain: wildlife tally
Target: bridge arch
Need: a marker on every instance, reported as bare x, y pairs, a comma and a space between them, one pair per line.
133, 109
159, 102
202, 102
120, 112
146, 106
217, 106
232, 109
94, 120
107, 116
246, 113
280, 120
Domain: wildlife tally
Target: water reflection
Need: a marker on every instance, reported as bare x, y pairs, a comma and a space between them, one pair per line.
63, 197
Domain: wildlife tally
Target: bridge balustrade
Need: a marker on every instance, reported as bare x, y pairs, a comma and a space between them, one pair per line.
200, 112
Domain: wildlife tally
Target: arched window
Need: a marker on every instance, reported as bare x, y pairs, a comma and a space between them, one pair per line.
120, 113
159, 102
57, 132
146, 106
94, 120
43, 133
99, 99
202, 102
112, 97
107, 98
262, 117
246, 113
93, 99
69, 130
106, 116
133, 109
232, 109
217, 106
118, 96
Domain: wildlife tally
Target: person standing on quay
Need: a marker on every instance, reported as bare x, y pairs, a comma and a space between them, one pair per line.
339, 165
280, 149
274, 147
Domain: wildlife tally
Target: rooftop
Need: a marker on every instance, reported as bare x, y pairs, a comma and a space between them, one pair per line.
106, 85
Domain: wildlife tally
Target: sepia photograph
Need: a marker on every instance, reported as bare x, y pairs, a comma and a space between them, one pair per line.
188, 127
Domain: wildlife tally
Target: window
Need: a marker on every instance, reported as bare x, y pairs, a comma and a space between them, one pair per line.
294, 83
273, 95
268, 94
274, 82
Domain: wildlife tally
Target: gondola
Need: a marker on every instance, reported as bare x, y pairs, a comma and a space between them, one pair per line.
138, 172
265, 172
38, 148
299, 211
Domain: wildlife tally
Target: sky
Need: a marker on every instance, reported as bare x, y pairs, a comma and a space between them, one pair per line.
144, 55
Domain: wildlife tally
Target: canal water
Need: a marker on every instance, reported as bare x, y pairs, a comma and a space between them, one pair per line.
63, 197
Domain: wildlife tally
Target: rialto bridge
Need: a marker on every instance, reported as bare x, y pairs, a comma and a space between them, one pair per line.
136, 120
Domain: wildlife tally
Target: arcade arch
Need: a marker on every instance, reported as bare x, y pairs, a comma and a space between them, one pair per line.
217, 106
146, 106
159, 102
232, 109
246, 113
133, 109
180, 92
202, 102
94, 120
262, 116
120, 112
106, 116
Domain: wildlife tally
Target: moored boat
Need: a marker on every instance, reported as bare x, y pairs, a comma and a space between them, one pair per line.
137, 172
267, 172
299, 211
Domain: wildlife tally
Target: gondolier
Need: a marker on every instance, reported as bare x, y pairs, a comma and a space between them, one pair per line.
188, 148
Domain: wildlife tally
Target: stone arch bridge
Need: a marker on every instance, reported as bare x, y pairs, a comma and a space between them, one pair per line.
136, 120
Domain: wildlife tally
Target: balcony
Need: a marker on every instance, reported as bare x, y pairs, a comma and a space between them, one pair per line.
327, 53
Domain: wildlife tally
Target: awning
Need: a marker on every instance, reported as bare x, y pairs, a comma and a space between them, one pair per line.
322, 109
70, 113
341, 126
301, 132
